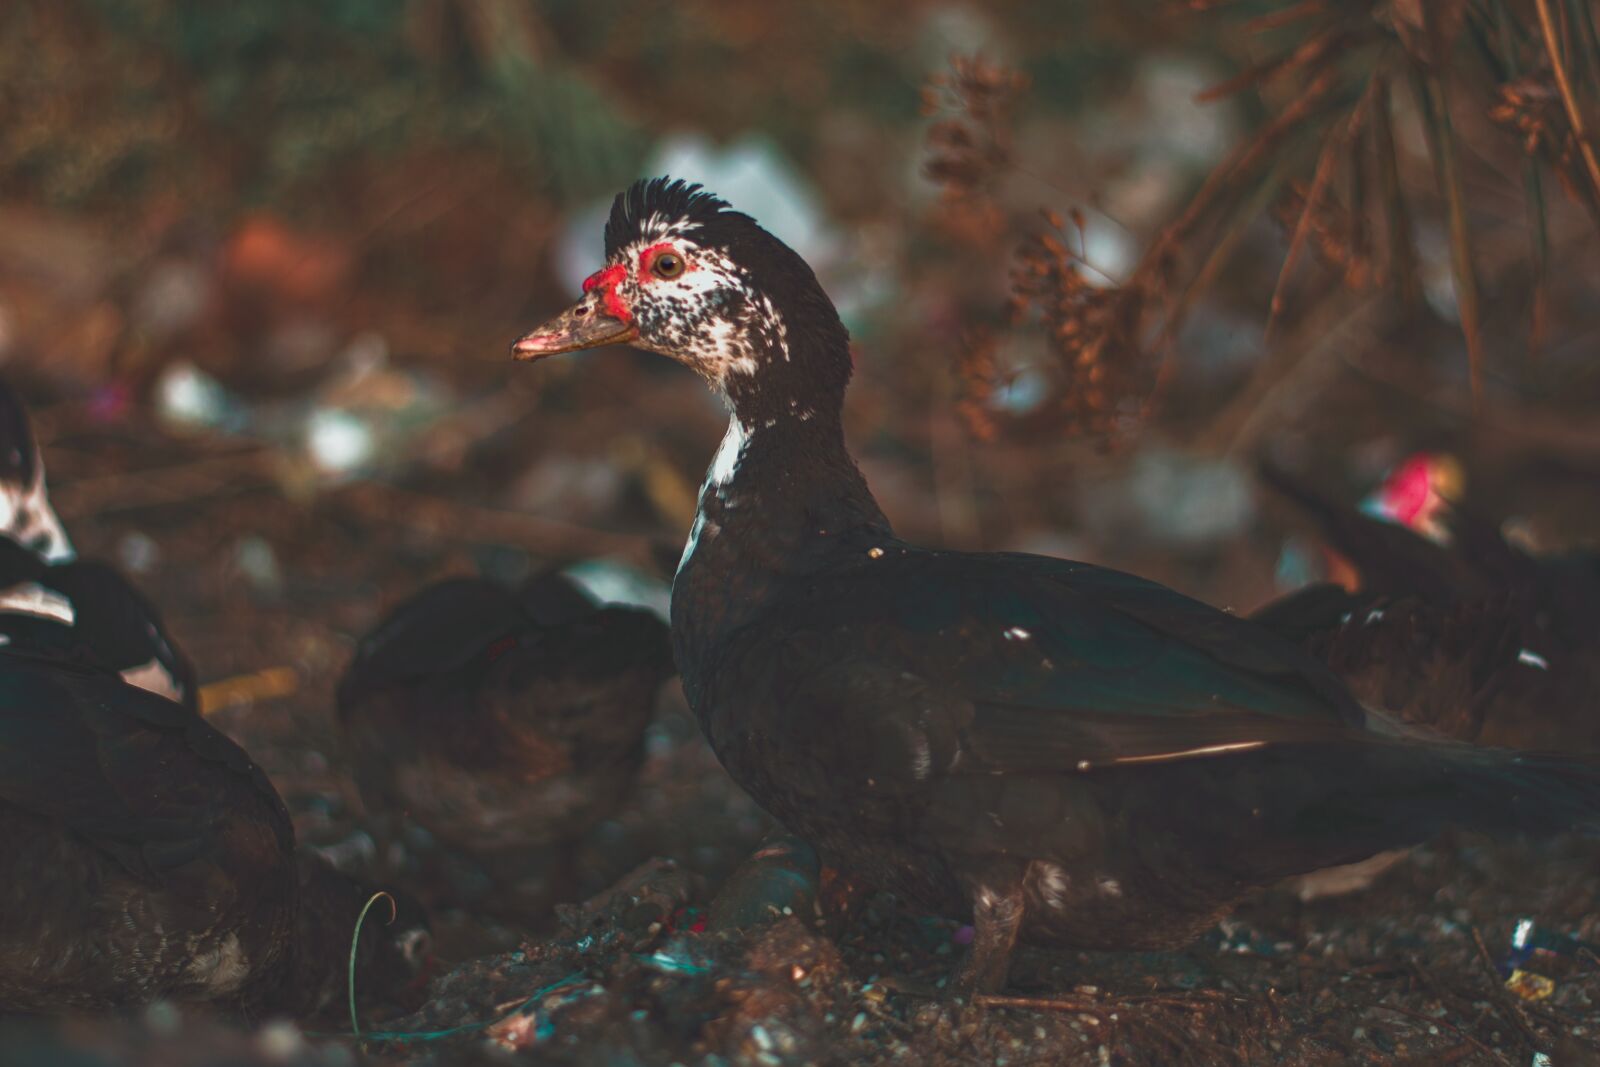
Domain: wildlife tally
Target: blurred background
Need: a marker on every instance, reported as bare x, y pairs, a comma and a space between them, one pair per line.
260, 264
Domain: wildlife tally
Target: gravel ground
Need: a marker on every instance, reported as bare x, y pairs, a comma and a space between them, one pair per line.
698, 944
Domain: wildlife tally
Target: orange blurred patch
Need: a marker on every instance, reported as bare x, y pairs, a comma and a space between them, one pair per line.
264, 253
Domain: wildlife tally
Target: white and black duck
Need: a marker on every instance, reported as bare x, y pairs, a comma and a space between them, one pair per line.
1068, 754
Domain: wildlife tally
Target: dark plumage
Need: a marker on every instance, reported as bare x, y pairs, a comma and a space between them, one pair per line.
504, 722
147, 857
1475, 639
53, 602
1069, 754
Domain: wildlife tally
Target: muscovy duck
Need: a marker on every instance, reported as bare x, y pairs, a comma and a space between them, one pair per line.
52, 601
1474, 639
1069, 754
146, 856
505, 722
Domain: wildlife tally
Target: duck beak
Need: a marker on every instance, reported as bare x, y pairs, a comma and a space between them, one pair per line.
583, 325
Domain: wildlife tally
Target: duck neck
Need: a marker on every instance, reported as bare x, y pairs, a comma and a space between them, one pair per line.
782, 499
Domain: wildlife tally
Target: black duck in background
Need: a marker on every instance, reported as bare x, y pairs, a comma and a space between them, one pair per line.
1068, 754
52, 601
1474, 639
506, 723
147, 857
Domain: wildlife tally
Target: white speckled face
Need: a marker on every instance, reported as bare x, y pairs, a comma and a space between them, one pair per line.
688, 277
692, 303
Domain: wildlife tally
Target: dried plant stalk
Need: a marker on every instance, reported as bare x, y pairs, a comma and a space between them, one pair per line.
1325, 161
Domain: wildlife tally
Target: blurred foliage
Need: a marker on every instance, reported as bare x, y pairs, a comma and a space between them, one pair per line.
1344, 92
113, 97
81, 109
1336, 68
248, 186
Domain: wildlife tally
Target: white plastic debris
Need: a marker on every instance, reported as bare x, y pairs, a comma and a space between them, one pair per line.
1195, 132
611, 582
368, 418
189, 398
338, 441
1023, 383
1168, 497
258, 562
1163, 136
1108, 249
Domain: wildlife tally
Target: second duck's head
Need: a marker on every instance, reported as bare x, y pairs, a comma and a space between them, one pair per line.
690, 278
26, 516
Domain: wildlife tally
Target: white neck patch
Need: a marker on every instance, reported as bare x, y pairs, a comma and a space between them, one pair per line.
724, 465
726, 462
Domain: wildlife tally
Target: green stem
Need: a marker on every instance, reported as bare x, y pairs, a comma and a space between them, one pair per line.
355, 943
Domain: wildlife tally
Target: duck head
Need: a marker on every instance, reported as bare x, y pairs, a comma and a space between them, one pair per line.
26, 516
688, 277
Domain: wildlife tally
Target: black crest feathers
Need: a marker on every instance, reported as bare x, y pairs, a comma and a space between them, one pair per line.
668, 198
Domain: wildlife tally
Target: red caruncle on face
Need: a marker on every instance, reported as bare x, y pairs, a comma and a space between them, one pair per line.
650, 269
607, 281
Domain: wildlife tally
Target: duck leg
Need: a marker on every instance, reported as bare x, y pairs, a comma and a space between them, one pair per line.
997, 920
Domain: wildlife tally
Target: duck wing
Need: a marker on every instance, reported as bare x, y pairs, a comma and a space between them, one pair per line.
1001, 663
140, 777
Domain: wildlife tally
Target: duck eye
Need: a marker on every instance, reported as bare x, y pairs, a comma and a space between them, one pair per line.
667, 265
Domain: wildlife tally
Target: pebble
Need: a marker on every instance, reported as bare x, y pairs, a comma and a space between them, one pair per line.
280, 1040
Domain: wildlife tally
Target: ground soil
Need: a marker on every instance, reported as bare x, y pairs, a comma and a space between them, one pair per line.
676, 960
